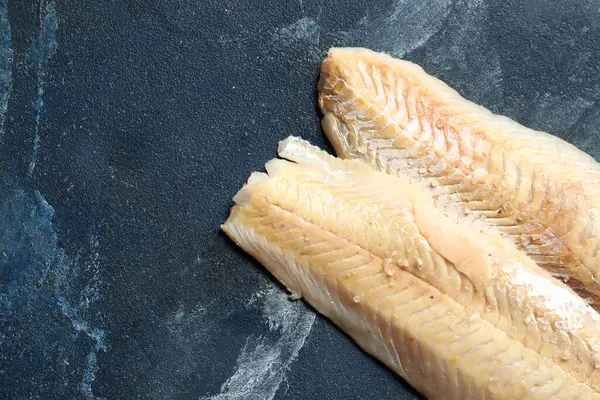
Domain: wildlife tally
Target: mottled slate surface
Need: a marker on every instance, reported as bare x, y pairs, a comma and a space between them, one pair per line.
127, 126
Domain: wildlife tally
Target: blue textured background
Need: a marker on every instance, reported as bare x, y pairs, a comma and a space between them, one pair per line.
126, 126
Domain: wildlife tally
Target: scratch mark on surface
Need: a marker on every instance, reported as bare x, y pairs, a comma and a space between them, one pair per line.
42, 49
263, 362
97, 335
36, 270
88, 295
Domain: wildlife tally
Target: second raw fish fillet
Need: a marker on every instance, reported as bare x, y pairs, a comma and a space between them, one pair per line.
539, 191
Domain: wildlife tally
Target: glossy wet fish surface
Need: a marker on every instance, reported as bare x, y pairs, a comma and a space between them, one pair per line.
454, 245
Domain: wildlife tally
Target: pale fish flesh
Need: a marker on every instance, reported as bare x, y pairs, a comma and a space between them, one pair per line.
458, 312
539, 191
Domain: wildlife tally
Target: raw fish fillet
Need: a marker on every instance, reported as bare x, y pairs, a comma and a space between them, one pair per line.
457, 312
538, 190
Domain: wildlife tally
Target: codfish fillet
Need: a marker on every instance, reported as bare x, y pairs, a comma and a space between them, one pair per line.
460, 314
539, 191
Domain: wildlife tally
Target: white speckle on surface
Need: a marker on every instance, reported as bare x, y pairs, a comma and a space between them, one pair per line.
42, 49
183, 319
257, 296
76, 313
412, 23
408, 25
6, 60
305, 28
263, 362
462, 48
585, 132
544, 115
305, 33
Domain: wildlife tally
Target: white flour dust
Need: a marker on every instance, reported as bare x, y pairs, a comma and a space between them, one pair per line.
263, 361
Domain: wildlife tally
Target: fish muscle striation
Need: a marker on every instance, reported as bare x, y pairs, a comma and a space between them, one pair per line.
457, 311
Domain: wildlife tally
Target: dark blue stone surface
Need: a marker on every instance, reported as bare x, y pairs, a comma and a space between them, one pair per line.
126, 126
